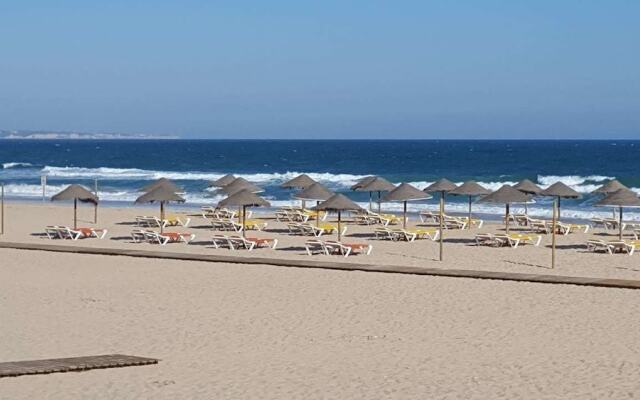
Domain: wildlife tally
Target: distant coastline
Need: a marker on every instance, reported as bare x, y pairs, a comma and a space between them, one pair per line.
49, 135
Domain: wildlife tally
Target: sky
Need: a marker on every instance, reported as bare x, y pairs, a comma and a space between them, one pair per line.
327, 69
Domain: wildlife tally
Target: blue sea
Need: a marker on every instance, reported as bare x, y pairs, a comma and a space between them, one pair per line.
123, 166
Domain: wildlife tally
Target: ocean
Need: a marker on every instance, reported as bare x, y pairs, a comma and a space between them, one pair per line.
123, 166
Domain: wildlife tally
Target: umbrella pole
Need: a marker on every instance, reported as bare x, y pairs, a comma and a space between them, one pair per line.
558, 207
620, 223
317, 214
161, 216
95, 209
379, 201
469, 222
404, 216
370, 204
244, 220
506, 218
441, 222
339, 227
553, 235
75, 213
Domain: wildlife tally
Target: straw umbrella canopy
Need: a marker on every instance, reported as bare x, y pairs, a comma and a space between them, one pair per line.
375, 182
301, 181
620, 198
244, 198
560, 191
162, 182
405, 192
338, 203
162, 195
75, 193
441, 186
528, 187
224, 181
505, 195
317, 192
610, 187
241, 184
470, 189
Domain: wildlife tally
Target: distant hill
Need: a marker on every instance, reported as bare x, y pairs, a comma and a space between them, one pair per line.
43, 135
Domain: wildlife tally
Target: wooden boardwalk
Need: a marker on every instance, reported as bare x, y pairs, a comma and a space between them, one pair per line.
333, 264
50, 366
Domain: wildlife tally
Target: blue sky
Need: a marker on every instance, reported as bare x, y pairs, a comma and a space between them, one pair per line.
329, 69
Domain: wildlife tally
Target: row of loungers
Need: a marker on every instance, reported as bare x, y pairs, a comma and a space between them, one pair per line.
613, 246
408, 235
449, 221
153, 222
148, 236
231, 225
64, 232
367, 217
330, 247
291, 214
306, 229
512, 240
239, 242
222, 213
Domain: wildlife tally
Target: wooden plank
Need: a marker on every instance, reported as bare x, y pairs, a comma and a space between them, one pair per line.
48, 366
335, 265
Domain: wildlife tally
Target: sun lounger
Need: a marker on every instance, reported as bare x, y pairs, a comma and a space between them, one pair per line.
222, 241
385, 233
611, 247
330, 228
174, 220
139, 235
93, 232
431, 234
52, 232
485, 239
403, 234
176, 237
239, 242
254, 224
314, 246
428, 216
526, 238
454, 223
283, 216
346, 249
508, 240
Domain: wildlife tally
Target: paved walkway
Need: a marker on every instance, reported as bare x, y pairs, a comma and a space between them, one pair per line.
34, 367
398, 269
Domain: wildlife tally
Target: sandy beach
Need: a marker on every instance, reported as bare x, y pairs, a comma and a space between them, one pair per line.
240, 331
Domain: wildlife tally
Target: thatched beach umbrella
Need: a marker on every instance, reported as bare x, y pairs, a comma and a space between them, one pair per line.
317, 192
560, 191
505, 195
167, 183
612, 186
470, 189
405, 192
441, 186
528, 187
376, 184
302, 181
244, 198
239, 184
160, 194
620, 198
75, 193
224, 181
338, 203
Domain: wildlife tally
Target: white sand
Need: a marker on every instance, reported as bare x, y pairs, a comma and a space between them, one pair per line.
240, 331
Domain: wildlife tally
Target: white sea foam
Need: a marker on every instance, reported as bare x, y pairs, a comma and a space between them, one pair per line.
141, 174
16, 165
